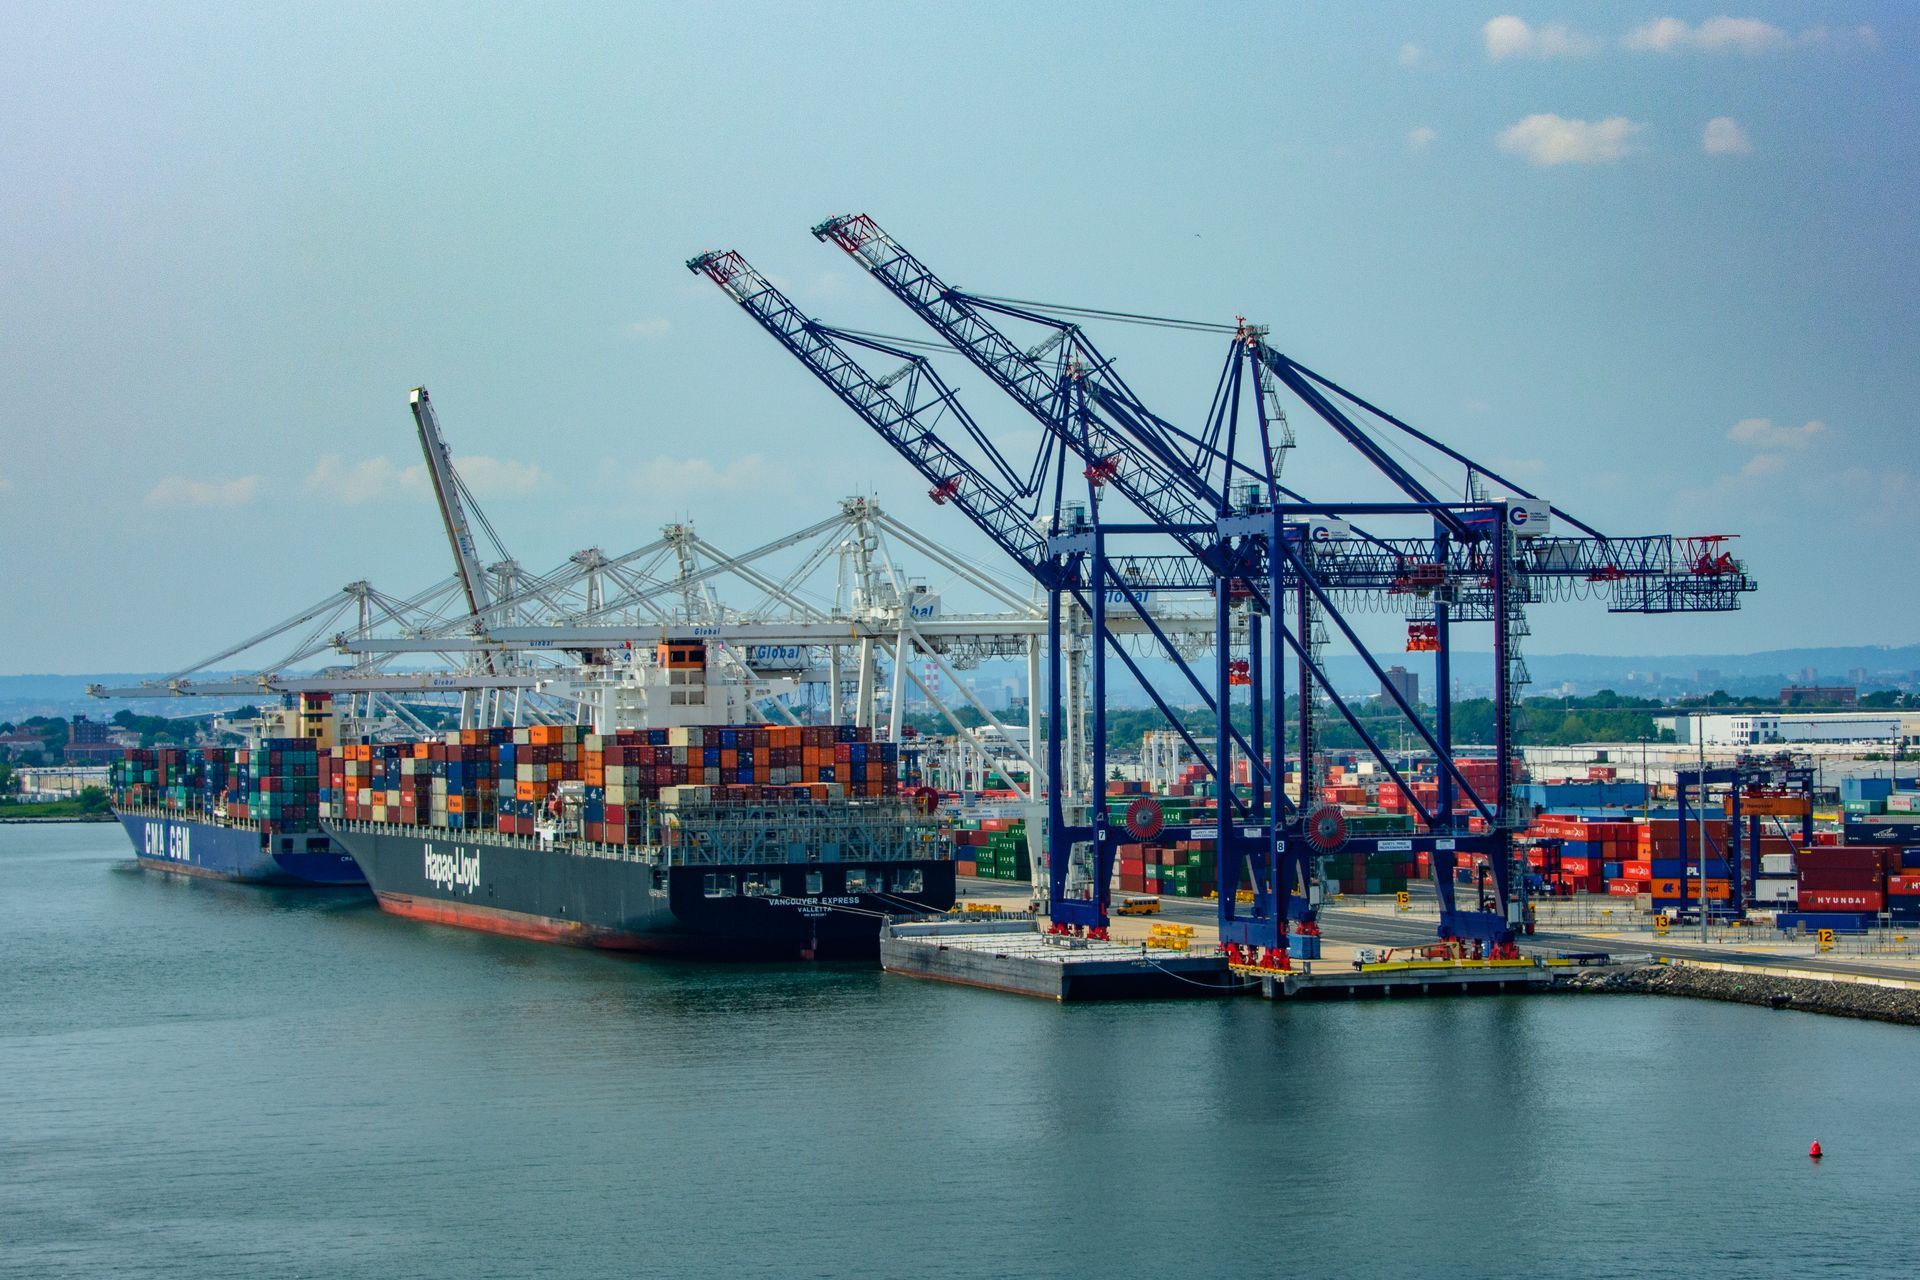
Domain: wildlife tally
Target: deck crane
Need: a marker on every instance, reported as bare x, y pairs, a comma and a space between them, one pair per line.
449, 492
1481, 564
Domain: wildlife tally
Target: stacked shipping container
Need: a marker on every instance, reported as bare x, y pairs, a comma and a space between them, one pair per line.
508, 778
274, 786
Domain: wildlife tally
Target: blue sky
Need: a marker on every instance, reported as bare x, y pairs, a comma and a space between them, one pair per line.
238, 236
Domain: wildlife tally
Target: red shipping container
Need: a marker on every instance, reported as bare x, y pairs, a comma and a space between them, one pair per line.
1857, 855
1842, 900
1903, 886
1842, 879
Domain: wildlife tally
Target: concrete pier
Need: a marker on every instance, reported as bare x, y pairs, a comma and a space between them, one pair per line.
1009, 953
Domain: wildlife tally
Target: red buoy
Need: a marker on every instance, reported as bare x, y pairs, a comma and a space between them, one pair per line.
1815, 1151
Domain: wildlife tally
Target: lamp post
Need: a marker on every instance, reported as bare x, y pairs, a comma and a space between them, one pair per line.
1646, 786
1700, 732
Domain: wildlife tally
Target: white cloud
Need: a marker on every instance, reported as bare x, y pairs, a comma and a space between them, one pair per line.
1421, 138
1412, 55
669, 479
1547, 139
1662, 35
651, 327
1762, 433
380, 479
1715, 35
488, 477
1743, 35
1724, 137
1511, 37
354, 483
1772, 443
1777, 470
185, 491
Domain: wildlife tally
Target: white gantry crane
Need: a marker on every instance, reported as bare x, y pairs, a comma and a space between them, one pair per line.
858, 604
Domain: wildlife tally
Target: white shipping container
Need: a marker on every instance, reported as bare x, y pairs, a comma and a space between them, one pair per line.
1776, 864
1774, 890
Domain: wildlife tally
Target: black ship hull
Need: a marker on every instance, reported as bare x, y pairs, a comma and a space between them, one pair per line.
594, 896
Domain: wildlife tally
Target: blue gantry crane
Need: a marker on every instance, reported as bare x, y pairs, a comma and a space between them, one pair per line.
1206, 509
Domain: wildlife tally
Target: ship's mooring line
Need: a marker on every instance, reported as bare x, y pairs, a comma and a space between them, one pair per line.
1211, 986
856, 911
912, 906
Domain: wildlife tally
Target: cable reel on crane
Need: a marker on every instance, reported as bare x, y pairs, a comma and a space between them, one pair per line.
1326, 829
1145, 819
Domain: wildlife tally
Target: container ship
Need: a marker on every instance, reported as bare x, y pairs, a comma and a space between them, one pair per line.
703, 836
249, 814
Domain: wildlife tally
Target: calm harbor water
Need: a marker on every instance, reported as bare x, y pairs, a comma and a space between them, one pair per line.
204, 1080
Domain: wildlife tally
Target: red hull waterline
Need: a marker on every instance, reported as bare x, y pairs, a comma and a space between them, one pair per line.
519, 924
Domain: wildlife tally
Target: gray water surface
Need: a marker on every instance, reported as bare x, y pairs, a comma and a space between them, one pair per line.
210, 1080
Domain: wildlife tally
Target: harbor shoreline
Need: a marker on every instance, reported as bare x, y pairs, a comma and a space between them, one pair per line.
1869, 1000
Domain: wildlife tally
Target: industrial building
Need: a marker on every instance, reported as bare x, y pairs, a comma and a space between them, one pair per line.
1761, 728
56, 782
1405, 682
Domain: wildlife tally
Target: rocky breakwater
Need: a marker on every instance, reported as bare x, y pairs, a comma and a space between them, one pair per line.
1751, 986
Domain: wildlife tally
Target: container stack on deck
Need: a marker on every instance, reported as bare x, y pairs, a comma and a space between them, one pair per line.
275, 786
508, 778
455, 784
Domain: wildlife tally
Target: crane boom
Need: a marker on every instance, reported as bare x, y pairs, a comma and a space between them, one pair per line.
453, 515
900, 422
1139, 461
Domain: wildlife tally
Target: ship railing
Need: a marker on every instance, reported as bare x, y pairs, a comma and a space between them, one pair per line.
495, 836
194, 813
802, 832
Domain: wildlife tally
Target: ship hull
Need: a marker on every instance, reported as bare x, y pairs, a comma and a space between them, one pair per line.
624, 903
194, 847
